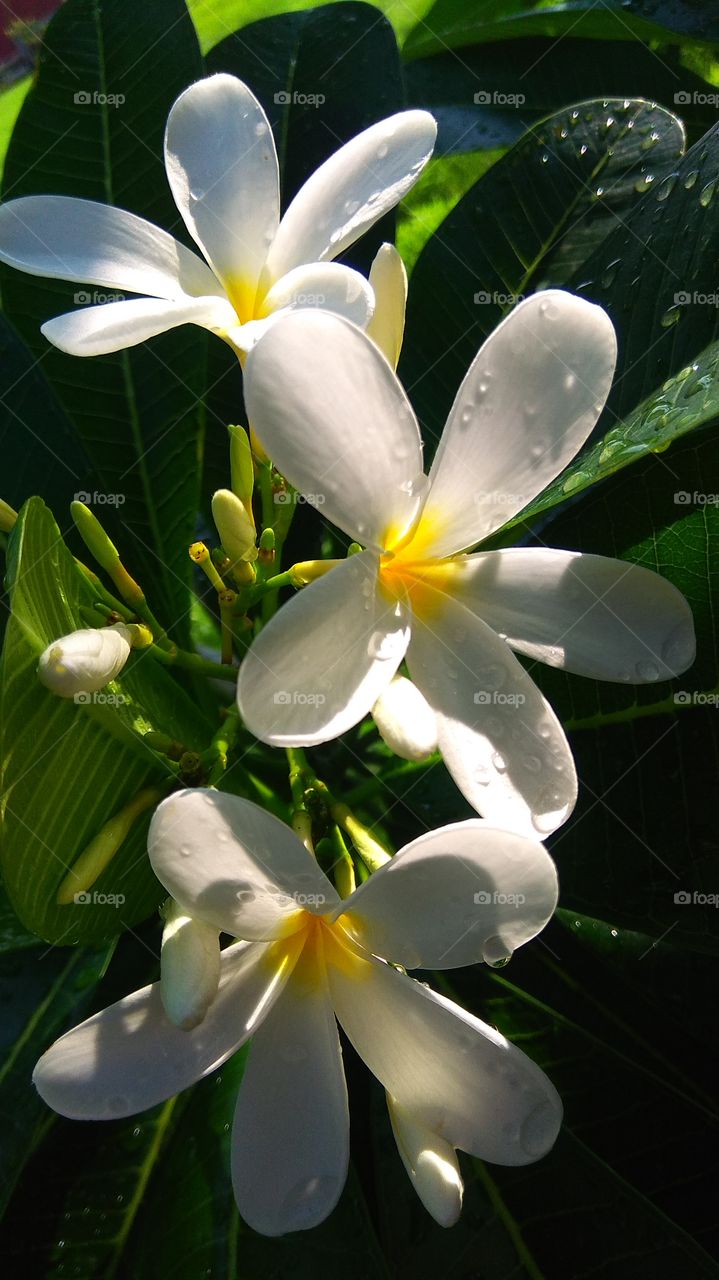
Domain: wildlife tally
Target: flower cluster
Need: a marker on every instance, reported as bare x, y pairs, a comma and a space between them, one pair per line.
414, 626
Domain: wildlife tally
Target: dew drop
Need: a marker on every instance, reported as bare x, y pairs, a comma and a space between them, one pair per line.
185, 851
382, 150
706, 195
647, 671
532, 763
666, 187
690, 179
538, 1130
499, 762
678, 649
671, 316
495, 953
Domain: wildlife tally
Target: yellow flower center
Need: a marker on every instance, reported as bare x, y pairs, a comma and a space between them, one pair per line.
408, 570
317, 943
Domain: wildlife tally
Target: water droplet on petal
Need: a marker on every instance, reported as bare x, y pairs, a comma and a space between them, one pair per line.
538, 1130
678, 648
496, 953
647, 671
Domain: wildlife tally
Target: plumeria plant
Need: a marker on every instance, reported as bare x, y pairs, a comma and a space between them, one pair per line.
349, 655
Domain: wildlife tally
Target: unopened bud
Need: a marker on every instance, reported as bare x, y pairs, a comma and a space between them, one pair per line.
405, 720
236, 529
241, 467
8, 517
388, 280
189, 967
84, 661
431, 1163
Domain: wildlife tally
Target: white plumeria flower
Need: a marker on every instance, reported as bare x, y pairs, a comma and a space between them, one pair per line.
222, 167
85, 660
333, 416
307, 957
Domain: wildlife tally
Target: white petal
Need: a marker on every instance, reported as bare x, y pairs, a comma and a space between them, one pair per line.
388, 279
326, 286
113, 326
457, 1076
290, 1140
431, 1164
234, 865
351, 190
336, 422
316, 669
69, 239
405, 720
597, 617
130, 1056
222, 166
457, 895
499, 737
84, 660
190, 967
529, 401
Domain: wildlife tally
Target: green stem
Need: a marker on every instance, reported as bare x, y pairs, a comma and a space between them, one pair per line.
175, 657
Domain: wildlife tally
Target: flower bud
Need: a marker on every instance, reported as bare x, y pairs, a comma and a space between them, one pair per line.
388, 279
189, 967
431, 1163
236, 530
84, 661
405, 720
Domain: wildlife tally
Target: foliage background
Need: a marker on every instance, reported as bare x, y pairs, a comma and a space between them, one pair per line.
589, 159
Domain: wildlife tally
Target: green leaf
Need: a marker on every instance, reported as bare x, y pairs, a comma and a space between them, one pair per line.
41, 449
522, 226
688, 400
450, 24
215, 22
69, 767
41, 991
656, 276
92, 126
